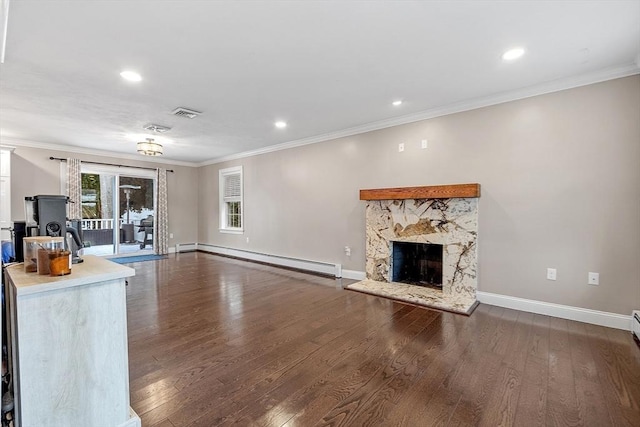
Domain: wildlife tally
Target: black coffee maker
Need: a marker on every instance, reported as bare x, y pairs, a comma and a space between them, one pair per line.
46, 215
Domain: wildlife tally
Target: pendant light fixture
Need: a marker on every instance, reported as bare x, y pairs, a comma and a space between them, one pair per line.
150, 148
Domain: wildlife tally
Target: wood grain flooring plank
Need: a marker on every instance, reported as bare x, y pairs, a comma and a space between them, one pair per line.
314, 396
215, 341
300, 400
621, 397
269, 394
222, 350
233, 400
501, 406
396, 386
479, 389
478, 384
610, 372
250, 373
539, 341
587, 383
503, 331
516, 354
437, 387
562, 403
532, 401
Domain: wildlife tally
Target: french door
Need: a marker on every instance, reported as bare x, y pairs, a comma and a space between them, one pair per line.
118, 207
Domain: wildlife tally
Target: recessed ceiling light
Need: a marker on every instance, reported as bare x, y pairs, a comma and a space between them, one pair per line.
132, 76
512, 54
281, 125
396, 103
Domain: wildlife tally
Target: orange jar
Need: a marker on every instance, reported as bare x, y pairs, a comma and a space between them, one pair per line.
59, 263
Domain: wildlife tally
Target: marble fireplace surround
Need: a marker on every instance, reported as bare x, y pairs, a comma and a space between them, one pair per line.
443, 214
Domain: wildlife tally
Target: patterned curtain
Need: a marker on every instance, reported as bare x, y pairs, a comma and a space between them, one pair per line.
162, 216
74, 189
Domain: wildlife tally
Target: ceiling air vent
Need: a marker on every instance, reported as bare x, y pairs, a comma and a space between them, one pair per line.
185, 112
157, 128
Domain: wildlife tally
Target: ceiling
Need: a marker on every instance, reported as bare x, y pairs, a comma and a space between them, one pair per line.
328, 68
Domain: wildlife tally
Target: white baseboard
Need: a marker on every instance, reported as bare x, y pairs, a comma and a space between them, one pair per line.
184, 247
602, 318
300, 264
354, 274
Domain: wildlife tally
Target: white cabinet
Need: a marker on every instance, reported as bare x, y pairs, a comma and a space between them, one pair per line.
69, 346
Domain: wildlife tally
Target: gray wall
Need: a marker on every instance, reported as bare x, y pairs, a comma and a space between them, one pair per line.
33, 173
560, 176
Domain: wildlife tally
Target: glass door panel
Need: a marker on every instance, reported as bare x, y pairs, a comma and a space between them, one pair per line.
136, 213
99, 224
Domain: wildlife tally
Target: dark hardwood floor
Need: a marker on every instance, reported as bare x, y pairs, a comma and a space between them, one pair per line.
216, 341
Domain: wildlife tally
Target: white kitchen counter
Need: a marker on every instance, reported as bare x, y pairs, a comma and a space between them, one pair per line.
69, 346
93, 269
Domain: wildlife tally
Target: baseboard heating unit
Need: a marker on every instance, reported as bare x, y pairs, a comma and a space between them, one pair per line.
320, 267
635, 325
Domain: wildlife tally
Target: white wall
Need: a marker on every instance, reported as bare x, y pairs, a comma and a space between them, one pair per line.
560, 176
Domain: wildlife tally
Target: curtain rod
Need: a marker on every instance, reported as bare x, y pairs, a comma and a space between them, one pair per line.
109, 164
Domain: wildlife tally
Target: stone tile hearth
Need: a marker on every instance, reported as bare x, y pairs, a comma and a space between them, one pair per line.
417, 295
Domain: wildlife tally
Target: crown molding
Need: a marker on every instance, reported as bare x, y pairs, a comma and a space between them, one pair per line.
528, 92
14, 142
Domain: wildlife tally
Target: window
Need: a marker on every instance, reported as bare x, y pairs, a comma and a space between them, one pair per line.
231, 200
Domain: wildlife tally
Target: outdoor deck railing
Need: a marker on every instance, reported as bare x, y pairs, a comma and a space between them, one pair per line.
99, 224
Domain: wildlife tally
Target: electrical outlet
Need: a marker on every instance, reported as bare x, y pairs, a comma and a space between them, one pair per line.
347, 251
594, 278
551, 274
170, 235
401, 147
424, 143
247, 240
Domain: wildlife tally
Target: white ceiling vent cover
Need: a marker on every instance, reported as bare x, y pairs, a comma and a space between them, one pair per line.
185, 112
157, 128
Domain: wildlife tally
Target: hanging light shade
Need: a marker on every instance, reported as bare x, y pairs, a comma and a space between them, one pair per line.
150, 148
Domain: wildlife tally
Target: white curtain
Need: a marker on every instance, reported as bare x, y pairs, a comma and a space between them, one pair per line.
162, 215
74, 189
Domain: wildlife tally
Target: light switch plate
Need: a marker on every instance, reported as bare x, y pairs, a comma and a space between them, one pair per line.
401, 147
594, 278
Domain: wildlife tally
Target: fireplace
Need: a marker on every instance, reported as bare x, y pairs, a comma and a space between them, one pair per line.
416, 264
422, 245
424, 236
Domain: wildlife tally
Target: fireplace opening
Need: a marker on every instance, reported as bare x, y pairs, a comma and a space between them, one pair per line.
417, 264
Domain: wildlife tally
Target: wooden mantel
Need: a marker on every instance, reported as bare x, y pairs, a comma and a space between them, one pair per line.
427, 192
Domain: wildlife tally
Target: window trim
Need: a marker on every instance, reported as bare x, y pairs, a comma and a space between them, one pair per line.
222, 211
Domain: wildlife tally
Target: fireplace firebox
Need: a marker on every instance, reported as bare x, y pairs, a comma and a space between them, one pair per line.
416, 263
